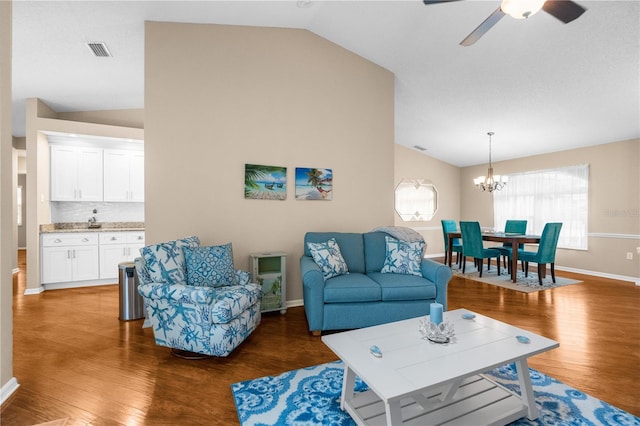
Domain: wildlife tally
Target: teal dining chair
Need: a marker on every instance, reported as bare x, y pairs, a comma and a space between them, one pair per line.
512, 226
473, 246
456, 247
546, 252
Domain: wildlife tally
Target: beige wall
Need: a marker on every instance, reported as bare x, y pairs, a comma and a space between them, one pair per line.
280, 97
8, 383
614, 203
410, 164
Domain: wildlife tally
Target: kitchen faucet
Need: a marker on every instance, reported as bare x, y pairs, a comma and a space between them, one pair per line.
92, 220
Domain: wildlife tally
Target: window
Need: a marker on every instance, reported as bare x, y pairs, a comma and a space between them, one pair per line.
555, 195
19, 203
416, 199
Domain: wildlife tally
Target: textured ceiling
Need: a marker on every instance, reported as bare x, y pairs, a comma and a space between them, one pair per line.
540, 85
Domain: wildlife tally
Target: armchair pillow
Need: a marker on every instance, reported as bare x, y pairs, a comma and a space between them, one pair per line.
329, 258
165, 262
210, 266
403, 257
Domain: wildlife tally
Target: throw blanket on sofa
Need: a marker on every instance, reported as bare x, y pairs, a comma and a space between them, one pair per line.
400, 233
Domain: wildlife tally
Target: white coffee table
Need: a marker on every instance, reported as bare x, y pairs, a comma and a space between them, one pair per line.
423, 383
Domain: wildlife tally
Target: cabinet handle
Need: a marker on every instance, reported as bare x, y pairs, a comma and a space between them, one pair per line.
84, 240
57, 240
140, 237
113, 238
80, 194
68, 254
74, 254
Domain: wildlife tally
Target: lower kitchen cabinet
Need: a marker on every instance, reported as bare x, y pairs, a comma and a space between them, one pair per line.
117, 247
69, 257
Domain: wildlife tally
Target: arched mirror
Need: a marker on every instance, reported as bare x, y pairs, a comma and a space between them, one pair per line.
416, 200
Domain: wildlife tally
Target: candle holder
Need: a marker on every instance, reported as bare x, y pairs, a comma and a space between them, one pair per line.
436, 333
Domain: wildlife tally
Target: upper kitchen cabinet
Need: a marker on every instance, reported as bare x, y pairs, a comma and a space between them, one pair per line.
123, 175
76, 173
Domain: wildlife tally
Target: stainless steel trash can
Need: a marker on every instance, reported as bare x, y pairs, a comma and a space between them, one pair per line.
131, 304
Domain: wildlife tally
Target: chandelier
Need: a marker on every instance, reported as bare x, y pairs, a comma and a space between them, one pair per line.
490, 182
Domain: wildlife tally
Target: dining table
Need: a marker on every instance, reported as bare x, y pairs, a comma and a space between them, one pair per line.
514, 239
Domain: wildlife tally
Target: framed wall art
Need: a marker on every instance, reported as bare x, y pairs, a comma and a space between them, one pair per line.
265, 182
314, 184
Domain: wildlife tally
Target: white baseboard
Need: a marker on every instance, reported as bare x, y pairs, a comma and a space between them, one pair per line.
74, 284
600, 274
295, 303
15, 271
77, 284
8, 389
32, 291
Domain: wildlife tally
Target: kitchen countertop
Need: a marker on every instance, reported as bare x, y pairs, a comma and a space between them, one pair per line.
84, 227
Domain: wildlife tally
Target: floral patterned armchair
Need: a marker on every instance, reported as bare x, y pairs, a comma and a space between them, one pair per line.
196, 301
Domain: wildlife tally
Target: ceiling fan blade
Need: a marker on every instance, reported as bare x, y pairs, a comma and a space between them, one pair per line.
564, 10
483, 28
428, 2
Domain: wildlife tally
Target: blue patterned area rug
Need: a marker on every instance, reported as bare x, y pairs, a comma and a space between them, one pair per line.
523, 284
311, 396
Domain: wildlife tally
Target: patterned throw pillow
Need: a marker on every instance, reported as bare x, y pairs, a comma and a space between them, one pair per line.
210, 266
165, 261
328, 257
403, 257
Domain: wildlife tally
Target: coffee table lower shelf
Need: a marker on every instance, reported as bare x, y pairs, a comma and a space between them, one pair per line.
478, 401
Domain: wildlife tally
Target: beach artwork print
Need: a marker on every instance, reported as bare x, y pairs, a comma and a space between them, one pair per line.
314, 184
265, 182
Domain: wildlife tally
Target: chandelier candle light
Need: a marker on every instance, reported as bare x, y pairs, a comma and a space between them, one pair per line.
490, 182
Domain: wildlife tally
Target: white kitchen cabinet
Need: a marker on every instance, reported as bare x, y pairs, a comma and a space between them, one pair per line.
69, 257
117, 247
123, 175
76, 173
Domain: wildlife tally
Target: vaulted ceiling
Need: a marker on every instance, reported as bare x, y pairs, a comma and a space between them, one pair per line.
539, 84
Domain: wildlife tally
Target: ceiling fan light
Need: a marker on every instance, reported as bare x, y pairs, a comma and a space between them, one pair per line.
521, 9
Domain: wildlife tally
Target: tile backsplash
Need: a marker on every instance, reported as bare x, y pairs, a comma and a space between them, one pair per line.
68, 211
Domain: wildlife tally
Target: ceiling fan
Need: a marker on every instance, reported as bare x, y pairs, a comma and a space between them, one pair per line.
564, 10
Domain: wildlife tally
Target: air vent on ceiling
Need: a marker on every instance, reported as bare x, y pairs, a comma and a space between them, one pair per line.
99, 49
420, 148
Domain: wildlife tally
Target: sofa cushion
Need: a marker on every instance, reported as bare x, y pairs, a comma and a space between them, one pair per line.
210, 266
403, 287
165, 262
351, 246
354, 287
328, 257
403, 257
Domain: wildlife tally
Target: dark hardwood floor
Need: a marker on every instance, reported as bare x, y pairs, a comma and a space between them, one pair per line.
73, 357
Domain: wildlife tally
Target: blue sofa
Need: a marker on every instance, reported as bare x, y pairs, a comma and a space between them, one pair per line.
365, 297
